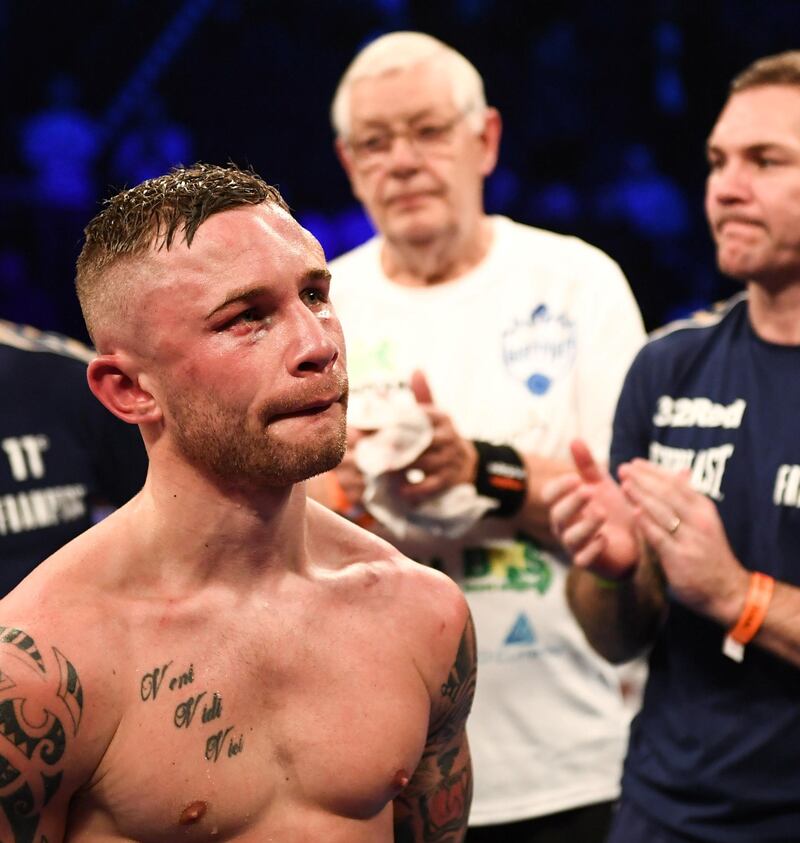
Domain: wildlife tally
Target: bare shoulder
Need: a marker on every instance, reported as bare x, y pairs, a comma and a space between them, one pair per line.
65, 595
427, 606
352, 551
61, 624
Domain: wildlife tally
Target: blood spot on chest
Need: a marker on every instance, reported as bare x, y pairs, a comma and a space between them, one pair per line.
193, 812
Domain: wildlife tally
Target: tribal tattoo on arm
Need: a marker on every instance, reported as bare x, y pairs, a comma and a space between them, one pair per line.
434, 807
41, 703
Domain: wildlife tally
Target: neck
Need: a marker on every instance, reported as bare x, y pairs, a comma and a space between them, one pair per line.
775, 312
443, 257
199, 530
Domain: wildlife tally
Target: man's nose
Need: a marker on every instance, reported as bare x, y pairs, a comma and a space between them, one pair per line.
313, 346
403, 154
729, 183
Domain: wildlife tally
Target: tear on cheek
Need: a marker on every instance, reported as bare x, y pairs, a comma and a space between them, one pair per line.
258, 334
325, 313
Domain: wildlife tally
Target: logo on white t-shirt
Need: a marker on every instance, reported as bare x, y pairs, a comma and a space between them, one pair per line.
540, 350
521, 632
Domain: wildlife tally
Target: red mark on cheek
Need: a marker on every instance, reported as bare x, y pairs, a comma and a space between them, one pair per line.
193, 812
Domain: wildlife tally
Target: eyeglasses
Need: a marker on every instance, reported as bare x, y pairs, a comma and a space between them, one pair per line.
427, 137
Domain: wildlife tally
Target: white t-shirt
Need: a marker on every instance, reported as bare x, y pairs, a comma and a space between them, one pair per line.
530, 348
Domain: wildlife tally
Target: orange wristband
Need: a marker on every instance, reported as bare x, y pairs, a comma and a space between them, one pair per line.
756, 603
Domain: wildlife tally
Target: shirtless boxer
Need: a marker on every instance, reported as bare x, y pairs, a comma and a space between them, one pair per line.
221, 660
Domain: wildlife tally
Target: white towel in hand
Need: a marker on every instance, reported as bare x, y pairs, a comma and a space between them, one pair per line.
394, 446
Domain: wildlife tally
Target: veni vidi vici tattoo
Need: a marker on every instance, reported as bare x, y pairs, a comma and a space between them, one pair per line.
193, 708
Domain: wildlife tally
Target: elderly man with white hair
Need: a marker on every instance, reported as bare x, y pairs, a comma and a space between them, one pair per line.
478, 348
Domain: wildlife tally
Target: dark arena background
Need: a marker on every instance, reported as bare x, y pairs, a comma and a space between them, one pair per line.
606, 108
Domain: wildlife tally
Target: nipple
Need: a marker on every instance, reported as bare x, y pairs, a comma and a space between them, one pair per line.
193, 812
400, 779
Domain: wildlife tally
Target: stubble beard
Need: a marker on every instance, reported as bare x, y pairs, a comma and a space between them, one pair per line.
733, 260
233, 449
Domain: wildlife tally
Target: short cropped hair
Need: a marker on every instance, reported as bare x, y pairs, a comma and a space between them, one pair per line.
149, 216
780, 69
400, 51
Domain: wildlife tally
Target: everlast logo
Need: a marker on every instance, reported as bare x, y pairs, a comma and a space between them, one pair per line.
707, 466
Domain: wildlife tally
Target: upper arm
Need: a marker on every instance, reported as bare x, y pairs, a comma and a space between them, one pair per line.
435, 804
41, 707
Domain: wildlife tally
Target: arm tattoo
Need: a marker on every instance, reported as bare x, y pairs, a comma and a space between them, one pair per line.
459, 689
33, 735
436, 805
445, 808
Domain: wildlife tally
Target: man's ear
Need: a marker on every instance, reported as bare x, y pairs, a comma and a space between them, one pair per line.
343, 154
348, 165
490, 137
116, 384
351, 171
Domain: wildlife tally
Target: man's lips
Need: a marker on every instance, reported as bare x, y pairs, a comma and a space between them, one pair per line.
314, 408
737, 222
409, 198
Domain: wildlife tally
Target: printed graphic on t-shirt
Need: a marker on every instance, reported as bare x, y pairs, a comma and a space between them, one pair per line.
540, 350
520, 643
787, 486
698, 412
518, 566
522, 631
34, 509
371, 361
707, 465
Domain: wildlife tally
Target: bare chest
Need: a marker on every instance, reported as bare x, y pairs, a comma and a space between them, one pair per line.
219, 738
